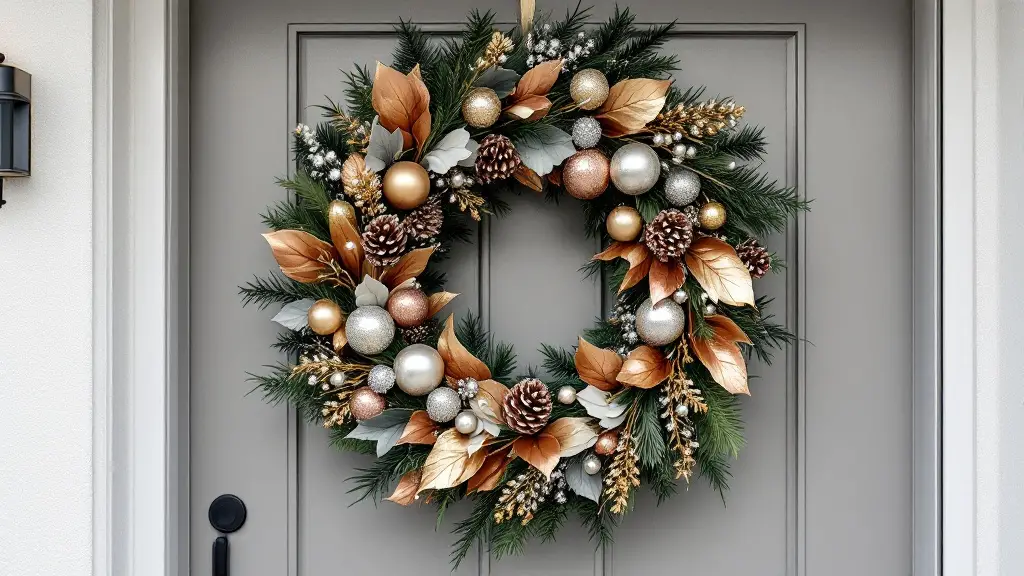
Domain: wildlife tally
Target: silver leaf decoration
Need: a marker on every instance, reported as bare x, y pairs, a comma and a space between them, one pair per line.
371, 292
294, 315
385, 429
448, 152
544, 148
473, 146
596, 402
501, 80
384, 147
586, 485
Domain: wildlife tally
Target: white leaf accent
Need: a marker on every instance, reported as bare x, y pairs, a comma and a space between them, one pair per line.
384, 147
586, 485
544, 148
371, 292
474, 148
596, 402
476, 442
294, 315
385, 429
501, 80
484, 413
448, 152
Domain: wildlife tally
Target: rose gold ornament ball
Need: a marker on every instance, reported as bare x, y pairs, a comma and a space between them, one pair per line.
607, 442
406, 185
365, 404
624, 223
409, 307
585, 174
712, 216
324, 317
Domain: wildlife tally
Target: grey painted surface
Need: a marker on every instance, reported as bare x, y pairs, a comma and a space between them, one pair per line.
824, 484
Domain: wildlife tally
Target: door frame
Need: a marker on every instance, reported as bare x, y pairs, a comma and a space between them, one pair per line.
140, 303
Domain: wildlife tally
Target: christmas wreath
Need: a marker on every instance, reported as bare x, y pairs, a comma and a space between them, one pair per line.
391, 179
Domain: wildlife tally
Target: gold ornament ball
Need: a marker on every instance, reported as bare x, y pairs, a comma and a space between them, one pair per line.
589, 88
345, 210
585, 174
712, 216
624, 223
607, 442
409, 307
481, 107
324, 317
365, 404
406, 185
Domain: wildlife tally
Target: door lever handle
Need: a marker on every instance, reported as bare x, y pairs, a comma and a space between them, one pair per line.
227, 514
220, 556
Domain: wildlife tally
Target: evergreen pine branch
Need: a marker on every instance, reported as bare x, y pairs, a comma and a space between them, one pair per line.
650, 66
290, 214
720, 429
714, 467
661, 477
309, 192
758, 326
747, 143
474, 528
650, 440
414, 47
598, 521
573, 23
558, 362
292, 342
646, 41
280, 385
611, 35
374, 481
756, 205
359, 93
278, 289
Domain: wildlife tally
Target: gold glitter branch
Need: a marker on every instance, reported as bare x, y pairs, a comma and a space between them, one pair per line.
699, 120
496, 52
624, 472
319, 368
519, 497
682, 399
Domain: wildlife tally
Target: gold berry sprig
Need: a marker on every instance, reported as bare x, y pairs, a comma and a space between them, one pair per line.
698, 120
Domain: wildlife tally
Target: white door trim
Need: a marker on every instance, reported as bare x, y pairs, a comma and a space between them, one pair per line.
140, 287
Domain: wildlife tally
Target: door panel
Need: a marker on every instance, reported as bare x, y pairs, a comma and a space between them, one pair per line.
825, 475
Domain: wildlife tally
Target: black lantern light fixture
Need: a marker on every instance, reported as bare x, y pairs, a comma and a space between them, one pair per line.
15, 123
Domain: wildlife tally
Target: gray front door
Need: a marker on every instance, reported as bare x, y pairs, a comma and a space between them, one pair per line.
823, 487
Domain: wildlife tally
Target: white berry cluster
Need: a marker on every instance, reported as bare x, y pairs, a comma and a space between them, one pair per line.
543, 46
322, 164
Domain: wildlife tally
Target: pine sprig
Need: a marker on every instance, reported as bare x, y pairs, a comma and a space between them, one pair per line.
414, 47
278, 289
359, 93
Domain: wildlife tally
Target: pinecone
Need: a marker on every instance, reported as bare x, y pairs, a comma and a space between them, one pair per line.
425, 221
497, 158
669, 235
384, 240
527, 406
423, 334
755, 256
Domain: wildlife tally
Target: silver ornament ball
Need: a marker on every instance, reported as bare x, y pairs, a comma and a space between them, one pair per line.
680, 296
418, 370
635, 168
586, 132
660, 324
370, 330
682, 186
466, 422
443, 404
381, 379
337, 379
591, 464
566, 395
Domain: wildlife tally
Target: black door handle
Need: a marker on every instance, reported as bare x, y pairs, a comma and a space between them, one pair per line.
227, 514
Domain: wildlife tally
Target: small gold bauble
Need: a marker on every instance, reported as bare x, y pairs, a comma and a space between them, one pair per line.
324, 317
406, 185
624, 223
589, 88
481, 107
606, 443
585, 174
712, 216
408, 306
345, 210
365, 404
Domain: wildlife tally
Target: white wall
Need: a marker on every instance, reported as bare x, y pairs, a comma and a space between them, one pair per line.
46, 300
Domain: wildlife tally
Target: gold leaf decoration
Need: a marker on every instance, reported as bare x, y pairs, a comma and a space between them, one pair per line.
409, 266
489, 475
574, 435
638, 256
720, 354
419, 430
645, 367
529, 100
598, 367
540, 451
665, 278
720, 272
403, 103
458, 362
340, 339
352, 172
439, 300
631, 104
301, 255
726, 328
408, 486
345, 238
449, 462
528, 178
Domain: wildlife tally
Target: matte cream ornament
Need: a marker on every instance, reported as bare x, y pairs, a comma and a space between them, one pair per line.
466, 422
635, 168
325, 317
337, 379
712, 216
481, 107
365, 404
624, 223
589, 89
409, 307
682, 186
406, 185
607, 442
566, 395
443, 404
591, 464
370, 330
419, 369
585, 174
660, 324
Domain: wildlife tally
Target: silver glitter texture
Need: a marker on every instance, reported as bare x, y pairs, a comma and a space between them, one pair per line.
381, 378
443, 404
586, 132
662, 324
682, 186
370, 330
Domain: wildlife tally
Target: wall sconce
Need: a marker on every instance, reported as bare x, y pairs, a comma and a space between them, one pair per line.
15, 123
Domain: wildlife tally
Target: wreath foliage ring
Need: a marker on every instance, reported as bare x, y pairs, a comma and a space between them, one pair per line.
391, 179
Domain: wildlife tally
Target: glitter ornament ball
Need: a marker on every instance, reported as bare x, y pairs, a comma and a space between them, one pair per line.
481, 107
606, 443
635, 168
682, 186
585, 174
365, 404
324, 317
419, 370
370, 330
381, 378
406, 185
712, 216
566, 395
591, 464
586, 132
466, 422
624, 223
409, 307
660, 324
443, 404
589, 89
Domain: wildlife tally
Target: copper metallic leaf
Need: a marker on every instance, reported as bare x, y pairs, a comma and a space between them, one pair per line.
723, 359
665, 278
339, 340
538, 80
489, 401
352, 172
408, 486
439, 300
715, 265
409, 266
540, 451
449, 462
419, 430
345, 238
300, 254
489, 475
421, 124
402, 102
574, 435
645, 367
529, 108
528, 178
638, 256
631, 104
458, 362
597, 366
725, 328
